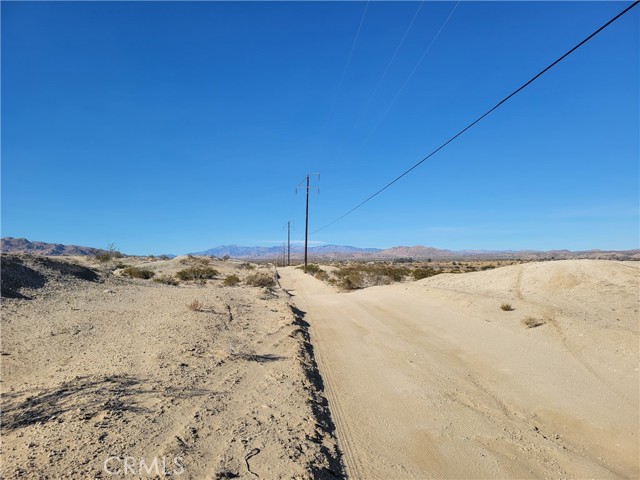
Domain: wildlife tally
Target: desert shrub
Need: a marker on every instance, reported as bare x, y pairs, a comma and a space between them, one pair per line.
531, 322
506, 307
197, 273
135, 272
105, 256
164, 257
356, 276
166, 280
322, 275
231, 280
195, 306
312, 268
102, 257
420, 273
487, 267
260, 280
350, 281
247, 266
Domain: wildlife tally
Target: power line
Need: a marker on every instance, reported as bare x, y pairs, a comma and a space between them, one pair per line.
346, 66
496, 106
393, 57
408, 79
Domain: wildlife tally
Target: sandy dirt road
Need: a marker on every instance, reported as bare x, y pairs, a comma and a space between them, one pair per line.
431, 379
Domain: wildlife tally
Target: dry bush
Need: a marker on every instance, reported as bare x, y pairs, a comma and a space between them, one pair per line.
231, 280
167, 280
358, 275
261, 280
196, 306
322, 275
420, 273
506, 307
197, 273
135, 272
531, 322
312, 268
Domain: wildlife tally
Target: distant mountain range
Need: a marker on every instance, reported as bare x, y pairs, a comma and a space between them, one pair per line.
419, 252
336, 252
237, 251
22, 245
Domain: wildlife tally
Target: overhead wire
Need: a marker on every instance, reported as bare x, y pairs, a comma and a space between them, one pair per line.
481, 117
409, 77
346, 66
388, 66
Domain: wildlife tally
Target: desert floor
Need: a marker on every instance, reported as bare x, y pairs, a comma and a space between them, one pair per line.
432, 379
111, 377
104, 375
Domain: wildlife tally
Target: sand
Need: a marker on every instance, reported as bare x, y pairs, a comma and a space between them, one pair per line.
432, 379
103, 375
117, 376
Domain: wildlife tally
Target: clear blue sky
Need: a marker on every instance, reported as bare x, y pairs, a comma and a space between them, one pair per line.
175, 127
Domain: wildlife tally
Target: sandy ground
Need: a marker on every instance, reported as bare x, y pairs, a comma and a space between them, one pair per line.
117, 378
432, 379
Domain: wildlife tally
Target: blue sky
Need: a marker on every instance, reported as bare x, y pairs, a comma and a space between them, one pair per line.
175, 127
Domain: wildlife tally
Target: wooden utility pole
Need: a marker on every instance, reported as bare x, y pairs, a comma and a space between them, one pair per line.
288, 244
306, 220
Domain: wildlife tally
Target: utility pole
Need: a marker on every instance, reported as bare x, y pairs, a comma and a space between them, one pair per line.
306, 220
288, 244
288, 254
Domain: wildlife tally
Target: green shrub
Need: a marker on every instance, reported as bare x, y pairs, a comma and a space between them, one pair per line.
105, 256
102, 257
360, 275
166, 280
231, 280
135, 272
351, 281
322, 275
420, 273
312, 268
197, 273
260, 280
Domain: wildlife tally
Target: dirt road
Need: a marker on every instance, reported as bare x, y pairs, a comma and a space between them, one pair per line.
431, 379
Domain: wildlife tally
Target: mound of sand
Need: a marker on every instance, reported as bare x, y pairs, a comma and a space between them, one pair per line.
96, 373
22, 274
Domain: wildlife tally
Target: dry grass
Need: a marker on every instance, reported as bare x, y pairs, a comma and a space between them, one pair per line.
507, 307
531, 322
196, 306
